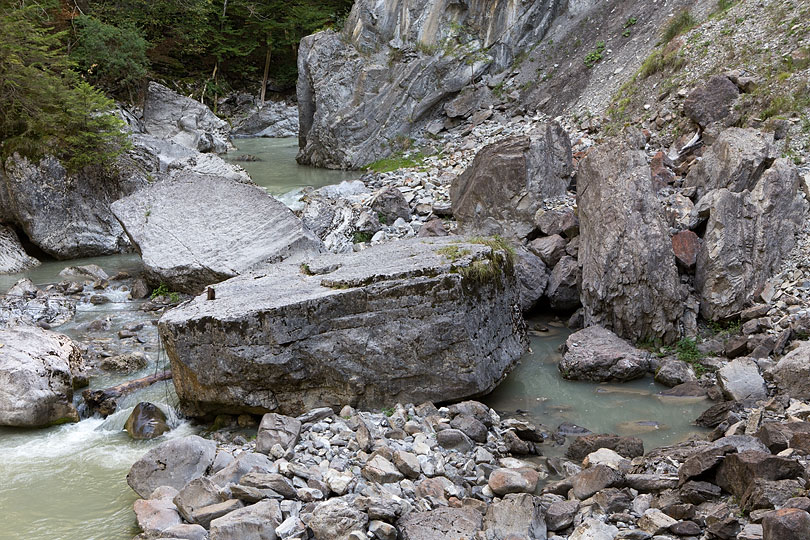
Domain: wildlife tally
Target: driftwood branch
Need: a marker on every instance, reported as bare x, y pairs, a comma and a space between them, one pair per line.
105, 401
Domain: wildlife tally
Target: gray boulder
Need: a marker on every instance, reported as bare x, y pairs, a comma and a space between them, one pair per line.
741, 381
443, 522
792, 373
36, 377
409, 321
563, 285
597, 354
336, 519
712, 102
503, 188
68, 215
255, 522
13, 257
146, 421
532, 277
736, 161
390, 204
673, 372
173, 463
748, 234
25, 304
194, 230
629, 280
277, 429
168, 115
387, 75
516, 514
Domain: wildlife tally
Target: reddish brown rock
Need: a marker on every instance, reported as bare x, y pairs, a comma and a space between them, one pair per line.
686, 245
660, 171
786, 524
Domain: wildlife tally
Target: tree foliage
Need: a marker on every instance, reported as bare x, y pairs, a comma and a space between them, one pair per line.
45, 107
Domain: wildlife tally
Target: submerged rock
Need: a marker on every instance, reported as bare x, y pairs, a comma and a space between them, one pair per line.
597, 354
36, 377
146, 421
196, 230
412, 320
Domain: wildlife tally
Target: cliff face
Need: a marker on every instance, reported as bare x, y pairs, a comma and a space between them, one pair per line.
365, 92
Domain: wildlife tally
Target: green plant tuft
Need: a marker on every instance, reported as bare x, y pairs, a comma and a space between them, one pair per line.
680, 24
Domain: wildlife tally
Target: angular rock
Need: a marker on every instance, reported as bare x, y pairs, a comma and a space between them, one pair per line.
763, 494
519, 515
778, 436
146, 421
736, 161
786, 524
712, 102
443, 522
197, 494
594, 529
168, 115
597, 354
674, 372
397, 321
255, 522
505, 481
583, 445
703, 462
336, 519
381, 471
741, 381
192, 230
173, 463
792, 372
560, 515
532, 278
654, 521
502, 189
685, 245
407, 464
563, 285
629, 280
594, 479
13, 257
390, 205
747, 236
36, 377
277, 429
738, 471
156, 515
549, 248
269, 481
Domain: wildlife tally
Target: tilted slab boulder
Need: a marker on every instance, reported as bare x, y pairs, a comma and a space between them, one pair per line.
629, 280
505, 185
407, 321
36, 377
195, 230
13, 257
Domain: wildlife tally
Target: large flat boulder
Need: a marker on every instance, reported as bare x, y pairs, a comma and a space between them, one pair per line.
173, 463
13, 257
36, 377
194, 230
792, 373
409, 321
168, 115
629, 280
503, 188
748, 235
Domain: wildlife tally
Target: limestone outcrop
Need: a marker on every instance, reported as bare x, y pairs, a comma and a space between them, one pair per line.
415, 320
503, 189
393, 66
13, 257
36, 377
194, 230
629, 280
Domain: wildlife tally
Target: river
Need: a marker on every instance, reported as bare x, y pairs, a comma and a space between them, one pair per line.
69, 482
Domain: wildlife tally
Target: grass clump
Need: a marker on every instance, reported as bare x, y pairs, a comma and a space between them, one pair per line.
658, 61
453, 253
397, 161
360, 237
680, 24
595, 55
687, 351
500, 258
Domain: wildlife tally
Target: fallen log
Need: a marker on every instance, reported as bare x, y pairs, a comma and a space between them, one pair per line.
105, 401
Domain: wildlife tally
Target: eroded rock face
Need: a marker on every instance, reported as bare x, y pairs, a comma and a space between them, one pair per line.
412, 320
274, 119
355, 103
67, 215
196, 230
507, 181
13, 257
748, 234
168, 115
36, 377
629, 280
